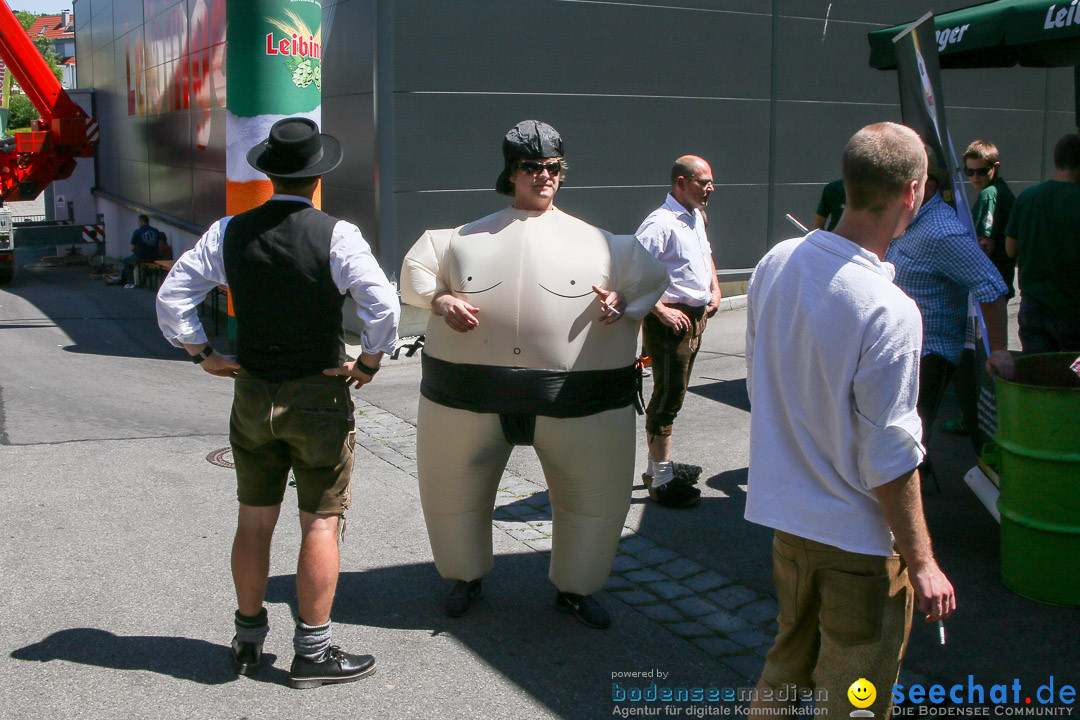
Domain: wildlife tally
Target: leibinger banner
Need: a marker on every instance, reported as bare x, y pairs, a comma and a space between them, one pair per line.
274, 71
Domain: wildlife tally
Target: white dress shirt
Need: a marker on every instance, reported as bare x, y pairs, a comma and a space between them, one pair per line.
676, 237
352, 267
832, 367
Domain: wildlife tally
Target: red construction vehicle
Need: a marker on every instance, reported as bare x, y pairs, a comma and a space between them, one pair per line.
31, 160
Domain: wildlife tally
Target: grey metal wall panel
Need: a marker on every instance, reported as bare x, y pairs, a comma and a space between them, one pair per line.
878, 12
212, 156
980, 88
127, 16
131, 138
171, 189
351, 118
356, 206
134, 179
810, 137
634, 143
348, 48
168, 139
602, 48
1018, 135
828, 63
207, 196
1060, 92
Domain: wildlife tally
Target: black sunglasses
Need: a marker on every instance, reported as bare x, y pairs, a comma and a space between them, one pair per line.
971, 172
534, 168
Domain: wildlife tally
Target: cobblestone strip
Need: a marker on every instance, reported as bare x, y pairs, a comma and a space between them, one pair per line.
730, 622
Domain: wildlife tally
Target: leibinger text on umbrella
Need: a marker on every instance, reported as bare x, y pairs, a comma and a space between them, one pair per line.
1061, 17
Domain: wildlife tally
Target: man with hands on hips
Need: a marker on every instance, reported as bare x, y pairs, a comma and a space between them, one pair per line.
288, 267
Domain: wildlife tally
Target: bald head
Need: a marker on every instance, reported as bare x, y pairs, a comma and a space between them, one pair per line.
879, 162
689, 166
691, 182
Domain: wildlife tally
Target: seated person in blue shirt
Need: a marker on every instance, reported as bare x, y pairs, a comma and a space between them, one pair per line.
144, 248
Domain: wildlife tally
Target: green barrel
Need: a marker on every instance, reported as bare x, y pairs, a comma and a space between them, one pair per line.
1039, 436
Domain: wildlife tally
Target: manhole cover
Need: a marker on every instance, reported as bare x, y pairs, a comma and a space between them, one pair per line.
221, 458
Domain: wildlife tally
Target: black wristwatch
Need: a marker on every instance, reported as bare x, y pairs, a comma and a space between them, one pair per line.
365, 369
203, 354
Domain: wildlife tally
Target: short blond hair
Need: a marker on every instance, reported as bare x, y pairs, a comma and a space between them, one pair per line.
879, 161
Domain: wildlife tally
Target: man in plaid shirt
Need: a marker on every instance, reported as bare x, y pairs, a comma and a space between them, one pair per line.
938, 263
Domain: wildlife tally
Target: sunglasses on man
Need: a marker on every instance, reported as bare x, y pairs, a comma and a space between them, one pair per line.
972, 172
534, 168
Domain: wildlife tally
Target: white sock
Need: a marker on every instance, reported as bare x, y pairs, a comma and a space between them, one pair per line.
662, 473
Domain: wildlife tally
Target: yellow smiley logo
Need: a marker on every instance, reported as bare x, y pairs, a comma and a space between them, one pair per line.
862, 693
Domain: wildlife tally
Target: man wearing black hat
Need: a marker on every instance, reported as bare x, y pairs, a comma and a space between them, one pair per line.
531, 341
288, 267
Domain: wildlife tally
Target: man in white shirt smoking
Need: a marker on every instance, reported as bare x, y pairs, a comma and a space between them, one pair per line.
832, 365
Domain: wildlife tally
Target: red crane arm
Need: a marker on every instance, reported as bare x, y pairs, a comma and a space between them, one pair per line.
31, 71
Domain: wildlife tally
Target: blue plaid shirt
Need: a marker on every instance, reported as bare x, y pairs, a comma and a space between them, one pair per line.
937, 263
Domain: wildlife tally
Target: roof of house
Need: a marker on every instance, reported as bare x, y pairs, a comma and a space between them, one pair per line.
50, 27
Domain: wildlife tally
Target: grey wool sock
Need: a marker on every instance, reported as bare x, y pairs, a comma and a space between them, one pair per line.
311, 641
251, 628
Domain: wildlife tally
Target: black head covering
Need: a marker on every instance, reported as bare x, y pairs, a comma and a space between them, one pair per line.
531, 140
295, 149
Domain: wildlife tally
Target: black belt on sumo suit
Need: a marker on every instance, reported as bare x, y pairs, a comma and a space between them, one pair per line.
518, 395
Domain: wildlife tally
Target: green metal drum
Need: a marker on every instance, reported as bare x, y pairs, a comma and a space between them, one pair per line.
1039, 436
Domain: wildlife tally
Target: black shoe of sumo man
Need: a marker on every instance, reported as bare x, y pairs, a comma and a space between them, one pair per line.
587, 610
461, 597
337, 667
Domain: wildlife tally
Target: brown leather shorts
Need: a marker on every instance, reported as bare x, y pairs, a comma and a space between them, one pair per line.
305, 425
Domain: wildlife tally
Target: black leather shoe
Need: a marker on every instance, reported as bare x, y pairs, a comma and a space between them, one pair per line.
246, 656
686, 473
337, 667
675, 494
584, 608
461, 598
681, 473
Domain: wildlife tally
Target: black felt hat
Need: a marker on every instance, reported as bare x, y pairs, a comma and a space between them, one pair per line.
296, 149
529, 139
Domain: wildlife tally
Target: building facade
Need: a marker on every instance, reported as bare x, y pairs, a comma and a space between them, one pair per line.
421, 92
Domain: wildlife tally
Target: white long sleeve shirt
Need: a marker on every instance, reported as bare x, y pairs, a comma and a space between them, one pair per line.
352, 267
832, 368
676, 237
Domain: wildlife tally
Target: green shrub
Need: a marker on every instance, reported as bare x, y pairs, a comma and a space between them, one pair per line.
22, 111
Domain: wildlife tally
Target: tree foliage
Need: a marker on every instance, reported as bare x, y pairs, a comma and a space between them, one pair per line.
27, 18
48, 51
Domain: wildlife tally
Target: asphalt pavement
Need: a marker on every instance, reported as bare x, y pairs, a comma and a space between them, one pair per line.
116, 600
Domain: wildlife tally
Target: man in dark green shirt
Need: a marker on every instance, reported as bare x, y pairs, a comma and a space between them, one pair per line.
831, 206
1044, 236
992, 209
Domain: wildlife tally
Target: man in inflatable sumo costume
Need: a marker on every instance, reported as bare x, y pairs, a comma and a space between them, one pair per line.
531, 341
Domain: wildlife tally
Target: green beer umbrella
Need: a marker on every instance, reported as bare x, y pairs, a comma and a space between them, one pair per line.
1002, 33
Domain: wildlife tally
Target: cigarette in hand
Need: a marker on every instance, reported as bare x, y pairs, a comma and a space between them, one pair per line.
941, 631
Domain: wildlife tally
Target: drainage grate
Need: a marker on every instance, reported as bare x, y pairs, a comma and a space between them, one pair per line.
221, 458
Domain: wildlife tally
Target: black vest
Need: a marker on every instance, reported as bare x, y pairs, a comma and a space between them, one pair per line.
288, 309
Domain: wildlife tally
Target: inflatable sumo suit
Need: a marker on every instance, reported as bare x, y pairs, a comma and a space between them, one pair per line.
541, 370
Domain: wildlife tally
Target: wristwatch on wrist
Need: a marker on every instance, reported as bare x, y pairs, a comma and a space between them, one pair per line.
202, 355
365, 369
